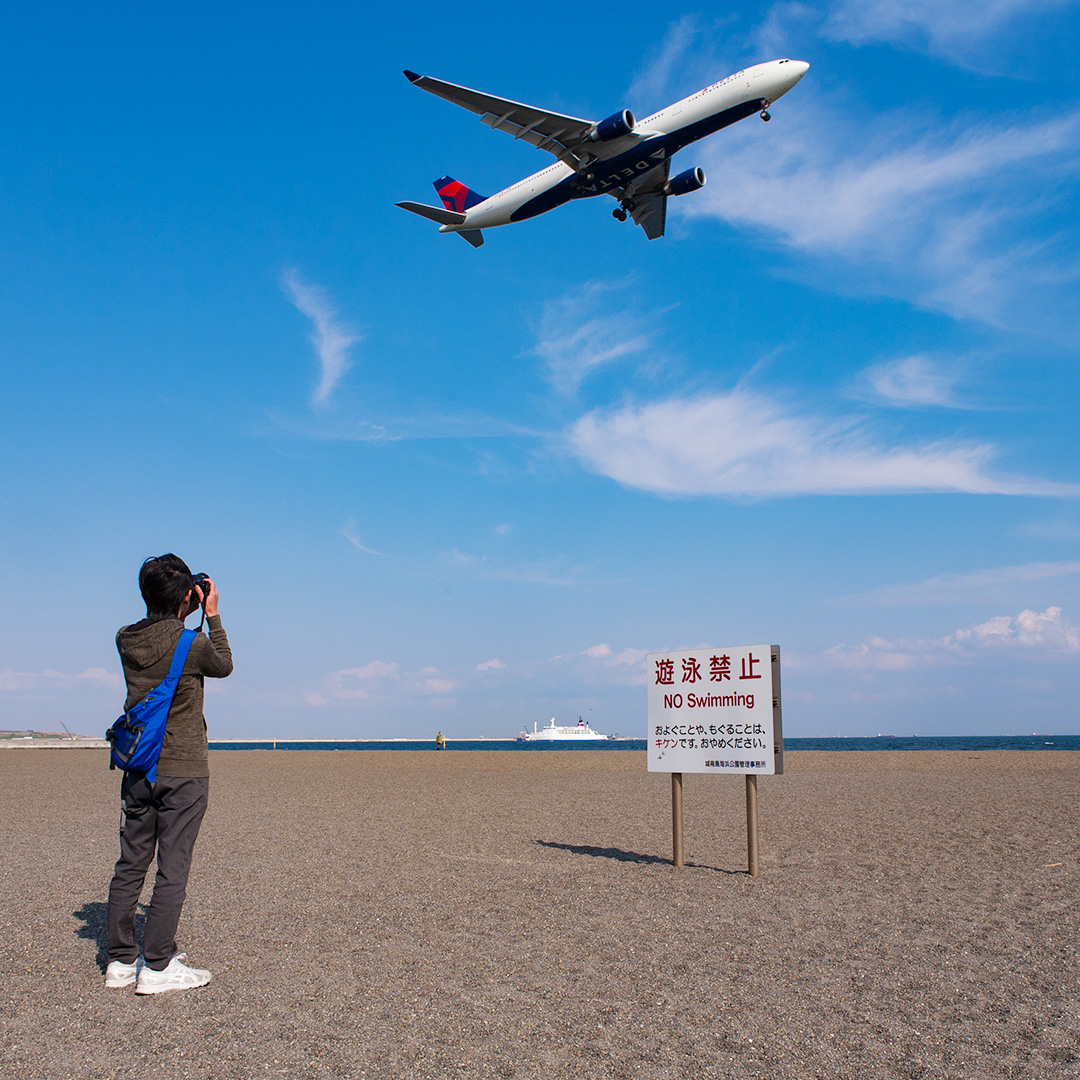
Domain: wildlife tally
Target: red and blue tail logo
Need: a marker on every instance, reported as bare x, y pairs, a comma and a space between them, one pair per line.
455, 195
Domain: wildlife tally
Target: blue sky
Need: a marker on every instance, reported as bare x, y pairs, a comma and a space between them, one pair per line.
834, 408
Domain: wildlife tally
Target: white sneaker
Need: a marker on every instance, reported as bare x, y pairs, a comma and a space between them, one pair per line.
118, 975
177, 976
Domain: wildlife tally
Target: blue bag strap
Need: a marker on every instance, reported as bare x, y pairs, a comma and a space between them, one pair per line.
180, 656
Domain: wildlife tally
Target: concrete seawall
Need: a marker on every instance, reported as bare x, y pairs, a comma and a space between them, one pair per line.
54, 744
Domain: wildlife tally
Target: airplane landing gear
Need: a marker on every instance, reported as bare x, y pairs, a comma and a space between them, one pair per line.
619, 215
765, 115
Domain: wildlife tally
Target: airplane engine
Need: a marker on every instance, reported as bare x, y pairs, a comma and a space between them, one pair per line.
614, 127
685, 182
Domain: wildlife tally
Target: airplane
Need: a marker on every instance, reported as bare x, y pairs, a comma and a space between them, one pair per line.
619, 156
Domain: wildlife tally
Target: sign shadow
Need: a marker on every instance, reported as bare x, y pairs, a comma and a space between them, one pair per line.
619, 855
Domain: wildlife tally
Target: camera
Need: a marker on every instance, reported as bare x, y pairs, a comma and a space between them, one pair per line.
203, 582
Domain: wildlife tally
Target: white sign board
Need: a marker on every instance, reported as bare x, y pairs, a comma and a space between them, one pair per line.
715, 710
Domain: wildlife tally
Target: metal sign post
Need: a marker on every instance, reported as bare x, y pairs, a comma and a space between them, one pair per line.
676, 819
752, 865
716, 711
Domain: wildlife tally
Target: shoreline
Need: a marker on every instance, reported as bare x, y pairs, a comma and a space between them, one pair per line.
792, 744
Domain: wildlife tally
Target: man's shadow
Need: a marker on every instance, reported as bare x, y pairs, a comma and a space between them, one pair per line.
95, 928
627, 856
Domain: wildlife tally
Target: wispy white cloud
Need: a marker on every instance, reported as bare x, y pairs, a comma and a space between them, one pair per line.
597, 665
1047, 634
379, 682
948, 590
968, 215
50, 682
666, 68
350, 534
576, 337
539, 572
952, 30
744, 443
505, 529
340, 429
389, 684
602, 664
939, 213
331, 337
1051, 530
575, 679
919, 381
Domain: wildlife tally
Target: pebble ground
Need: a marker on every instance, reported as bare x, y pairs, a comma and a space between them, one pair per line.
516, 915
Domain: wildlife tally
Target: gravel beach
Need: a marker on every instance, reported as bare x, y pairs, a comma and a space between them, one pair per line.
512, 914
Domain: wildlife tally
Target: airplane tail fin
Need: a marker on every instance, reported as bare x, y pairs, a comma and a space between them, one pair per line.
456, 199
455, 195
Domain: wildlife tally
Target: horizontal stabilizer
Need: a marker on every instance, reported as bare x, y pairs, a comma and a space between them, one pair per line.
474, 236
434, 213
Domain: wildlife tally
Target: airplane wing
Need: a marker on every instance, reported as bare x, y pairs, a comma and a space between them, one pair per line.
560, 135
646, 200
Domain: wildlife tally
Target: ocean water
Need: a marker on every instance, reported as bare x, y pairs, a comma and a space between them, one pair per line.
880, 742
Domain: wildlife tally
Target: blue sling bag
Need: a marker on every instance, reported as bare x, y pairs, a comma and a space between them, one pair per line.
137, 736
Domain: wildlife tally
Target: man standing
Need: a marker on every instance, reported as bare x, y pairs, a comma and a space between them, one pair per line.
165, 815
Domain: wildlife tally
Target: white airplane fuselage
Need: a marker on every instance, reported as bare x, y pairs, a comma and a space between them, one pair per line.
653, 139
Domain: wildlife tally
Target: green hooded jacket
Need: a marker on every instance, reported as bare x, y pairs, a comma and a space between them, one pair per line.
146, 650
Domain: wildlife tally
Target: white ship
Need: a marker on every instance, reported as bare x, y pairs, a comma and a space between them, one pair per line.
553, 733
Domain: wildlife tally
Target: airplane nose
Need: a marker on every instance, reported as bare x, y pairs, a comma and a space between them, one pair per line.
799, 68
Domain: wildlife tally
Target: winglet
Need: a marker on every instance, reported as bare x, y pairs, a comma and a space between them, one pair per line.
412, 76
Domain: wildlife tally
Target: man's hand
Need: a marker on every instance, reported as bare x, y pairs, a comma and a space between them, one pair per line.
211, 598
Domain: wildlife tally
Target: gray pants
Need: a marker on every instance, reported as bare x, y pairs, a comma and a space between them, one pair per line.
165, 816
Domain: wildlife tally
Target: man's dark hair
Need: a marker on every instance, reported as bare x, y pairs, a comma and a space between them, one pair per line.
164, 582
